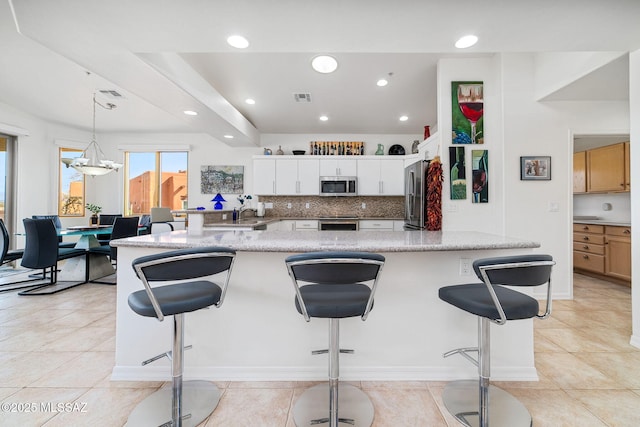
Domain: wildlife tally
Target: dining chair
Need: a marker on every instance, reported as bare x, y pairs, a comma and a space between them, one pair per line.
7, 255
58, 224
41, 251
122, 227
106, 219
161, 220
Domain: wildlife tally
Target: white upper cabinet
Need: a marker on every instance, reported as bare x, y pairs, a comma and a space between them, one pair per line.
380, 177
264, 176
297, 177
338, 167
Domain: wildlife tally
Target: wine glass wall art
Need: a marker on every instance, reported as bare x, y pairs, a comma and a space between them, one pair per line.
457, 173
467, 112
480, 176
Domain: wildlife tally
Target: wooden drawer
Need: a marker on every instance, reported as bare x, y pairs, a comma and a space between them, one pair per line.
588, 247
588, 228
596, 239
589, 262
612, 230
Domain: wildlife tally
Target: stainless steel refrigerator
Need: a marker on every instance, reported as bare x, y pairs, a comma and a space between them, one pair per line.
415, 195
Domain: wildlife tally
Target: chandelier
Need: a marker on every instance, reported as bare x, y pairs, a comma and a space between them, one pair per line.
92, 161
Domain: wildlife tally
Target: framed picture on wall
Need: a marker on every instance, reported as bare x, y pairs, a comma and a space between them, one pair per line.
535, 168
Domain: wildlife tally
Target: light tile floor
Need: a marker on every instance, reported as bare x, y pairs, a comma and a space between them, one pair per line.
60, 348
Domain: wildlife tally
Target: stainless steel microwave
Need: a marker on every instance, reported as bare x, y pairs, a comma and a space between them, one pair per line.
338, 186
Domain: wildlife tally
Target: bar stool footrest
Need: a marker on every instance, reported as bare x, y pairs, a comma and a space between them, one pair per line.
354, 406
461, 398
199, 399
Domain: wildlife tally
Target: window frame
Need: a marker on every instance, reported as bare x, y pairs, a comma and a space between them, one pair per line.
60, 200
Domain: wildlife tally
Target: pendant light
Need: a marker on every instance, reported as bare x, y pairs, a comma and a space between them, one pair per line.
92, 161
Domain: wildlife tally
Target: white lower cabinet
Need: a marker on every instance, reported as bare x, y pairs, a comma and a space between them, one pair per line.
306, 225
375, 224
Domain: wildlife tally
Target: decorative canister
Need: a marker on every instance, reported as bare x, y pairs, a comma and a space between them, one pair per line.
414, 147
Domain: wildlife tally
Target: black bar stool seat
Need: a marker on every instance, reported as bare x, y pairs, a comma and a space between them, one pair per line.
478, 403
191, 272
334, 286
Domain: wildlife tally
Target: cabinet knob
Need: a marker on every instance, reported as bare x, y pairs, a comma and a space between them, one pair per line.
585, 238
585, 256
585, 227
626, 231
585, 247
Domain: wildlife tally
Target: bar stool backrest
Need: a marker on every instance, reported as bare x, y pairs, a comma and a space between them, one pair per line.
519, 270
335, 268
183, 264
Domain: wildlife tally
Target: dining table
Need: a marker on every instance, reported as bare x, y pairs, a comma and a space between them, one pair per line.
74, 269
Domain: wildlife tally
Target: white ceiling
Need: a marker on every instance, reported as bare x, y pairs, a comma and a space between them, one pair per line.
166, 56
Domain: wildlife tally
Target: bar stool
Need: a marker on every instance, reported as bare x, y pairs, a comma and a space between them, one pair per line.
192, 268
477, 403
330, 285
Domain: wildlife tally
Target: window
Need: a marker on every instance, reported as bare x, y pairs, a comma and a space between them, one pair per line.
71, 185
155, 179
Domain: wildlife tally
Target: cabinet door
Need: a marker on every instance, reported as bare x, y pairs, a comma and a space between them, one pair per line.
286, 177
605, 168
618, 258
338, 167
580, 172
627, 166
392, 177
264, 177
309, 177
369, 177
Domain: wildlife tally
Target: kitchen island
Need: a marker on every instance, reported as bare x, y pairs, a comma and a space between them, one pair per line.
258, 335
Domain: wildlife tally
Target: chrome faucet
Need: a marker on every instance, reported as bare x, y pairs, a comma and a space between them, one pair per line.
243, 209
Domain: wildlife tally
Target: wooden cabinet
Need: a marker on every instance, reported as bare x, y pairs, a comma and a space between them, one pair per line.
627, 166
618, 252
580, 172
588, 247
606, 169
603, 249
380, 177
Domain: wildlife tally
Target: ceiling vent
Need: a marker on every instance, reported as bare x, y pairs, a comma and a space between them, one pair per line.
302, 97
111, 94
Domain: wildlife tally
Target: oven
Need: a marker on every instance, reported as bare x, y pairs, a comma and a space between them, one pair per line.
338, 224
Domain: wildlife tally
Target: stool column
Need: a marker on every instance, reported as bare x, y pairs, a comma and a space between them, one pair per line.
177, 367
334, 370
484, 368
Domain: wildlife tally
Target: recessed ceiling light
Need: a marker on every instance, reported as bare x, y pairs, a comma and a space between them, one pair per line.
190, 113
228, 136
466, 41
324, 64
382, 82
324, 118
403, 118
250, 101
238, 42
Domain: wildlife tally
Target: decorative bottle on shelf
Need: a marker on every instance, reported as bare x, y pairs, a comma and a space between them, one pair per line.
234, 215
380, 150
414, 146
279, 152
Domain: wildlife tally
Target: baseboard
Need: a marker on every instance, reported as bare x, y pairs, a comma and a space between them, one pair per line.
409, 373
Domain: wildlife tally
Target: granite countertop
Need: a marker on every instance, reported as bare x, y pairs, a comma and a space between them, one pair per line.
286, 241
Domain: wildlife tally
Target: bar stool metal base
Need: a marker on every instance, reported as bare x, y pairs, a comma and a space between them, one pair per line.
353, 404
199, 399
462, 401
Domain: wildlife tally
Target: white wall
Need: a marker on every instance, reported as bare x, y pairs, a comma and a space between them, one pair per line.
517, 125
634, 109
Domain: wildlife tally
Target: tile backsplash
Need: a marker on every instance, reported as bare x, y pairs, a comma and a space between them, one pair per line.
316, 206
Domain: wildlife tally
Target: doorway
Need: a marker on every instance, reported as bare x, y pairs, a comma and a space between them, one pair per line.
7, 184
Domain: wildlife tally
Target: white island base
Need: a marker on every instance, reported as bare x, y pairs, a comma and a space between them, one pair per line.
257, 334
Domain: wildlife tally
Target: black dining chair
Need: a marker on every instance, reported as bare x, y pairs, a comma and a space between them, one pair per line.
58, 224
7, 255
122, 227
41, 251
106, 219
